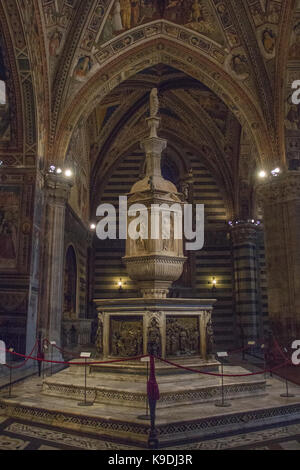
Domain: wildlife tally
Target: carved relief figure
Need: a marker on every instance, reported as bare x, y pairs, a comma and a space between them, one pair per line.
182, 336
154, 338
126, 338
99, 337
209, 339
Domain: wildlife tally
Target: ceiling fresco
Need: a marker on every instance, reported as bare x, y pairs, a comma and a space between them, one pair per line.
194, 14
85, 68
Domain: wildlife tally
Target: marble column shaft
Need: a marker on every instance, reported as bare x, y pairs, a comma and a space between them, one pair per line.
246, 278
57, 193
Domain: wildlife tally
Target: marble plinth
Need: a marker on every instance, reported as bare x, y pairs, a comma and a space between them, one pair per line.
125, 385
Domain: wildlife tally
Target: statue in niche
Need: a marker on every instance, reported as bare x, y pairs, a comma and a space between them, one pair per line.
73, 334
154, 338
99, 337
209, 339
168, 233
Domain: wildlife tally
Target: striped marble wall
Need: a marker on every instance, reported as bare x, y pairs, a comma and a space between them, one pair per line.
215, 259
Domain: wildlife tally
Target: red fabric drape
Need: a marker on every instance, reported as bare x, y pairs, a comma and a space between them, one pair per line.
152, 386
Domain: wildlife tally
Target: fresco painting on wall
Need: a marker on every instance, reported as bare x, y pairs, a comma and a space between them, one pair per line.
5, 130
4, 123
9, 226
269, 40
195, 14
83, 67
294, 51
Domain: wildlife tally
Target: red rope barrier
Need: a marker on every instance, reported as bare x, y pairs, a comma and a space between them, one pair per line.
63, 351
152, 381
189, 369
77, 363
26, 360
152, 386
244, 348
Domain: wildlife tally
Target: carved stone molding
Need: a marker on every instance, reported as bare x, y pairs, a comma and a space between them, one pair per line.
243, 233
280, 189
58, 188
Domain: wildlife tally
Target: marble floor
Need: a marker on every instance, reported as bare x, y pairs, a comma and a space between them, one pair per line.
21, 435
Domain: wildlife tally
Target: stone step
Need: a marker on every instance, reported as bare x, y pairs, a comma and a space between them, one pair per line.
177, 425
171, 394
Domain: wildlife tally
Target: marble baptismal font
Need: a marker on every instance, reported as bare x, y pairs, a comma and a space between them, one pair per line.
154, 323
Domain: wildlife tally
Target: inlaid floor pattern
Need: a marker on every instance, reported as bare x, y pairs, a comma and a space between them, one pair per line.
21, 435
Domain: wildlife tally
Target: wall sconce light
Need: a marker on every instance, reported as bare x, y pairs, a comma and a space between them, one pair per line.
120, 284
214, 283
93, 227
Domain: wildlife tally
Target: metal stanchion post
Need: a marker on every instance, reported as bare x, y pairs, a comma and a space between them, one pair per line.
53, 343
45, 347
287, 394
222, 403
146, 416
10, 380
152, 440
85, 402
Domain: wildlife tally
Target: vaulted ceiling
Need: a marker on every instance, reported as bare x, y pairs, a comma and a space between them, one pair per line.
223, 69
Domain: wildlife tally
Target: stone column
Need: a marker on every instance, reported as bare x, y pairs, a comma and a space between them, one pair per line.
57, 190
246, 279
280, 198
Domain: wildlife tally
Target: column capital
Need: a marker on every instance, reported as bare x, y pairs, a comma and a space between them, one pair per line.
279, 189
58, 187
243, 232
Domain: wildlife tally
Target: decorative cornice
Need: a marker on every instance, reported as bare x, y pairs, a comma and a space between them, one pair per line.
280, 189
58, 188
243, 233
